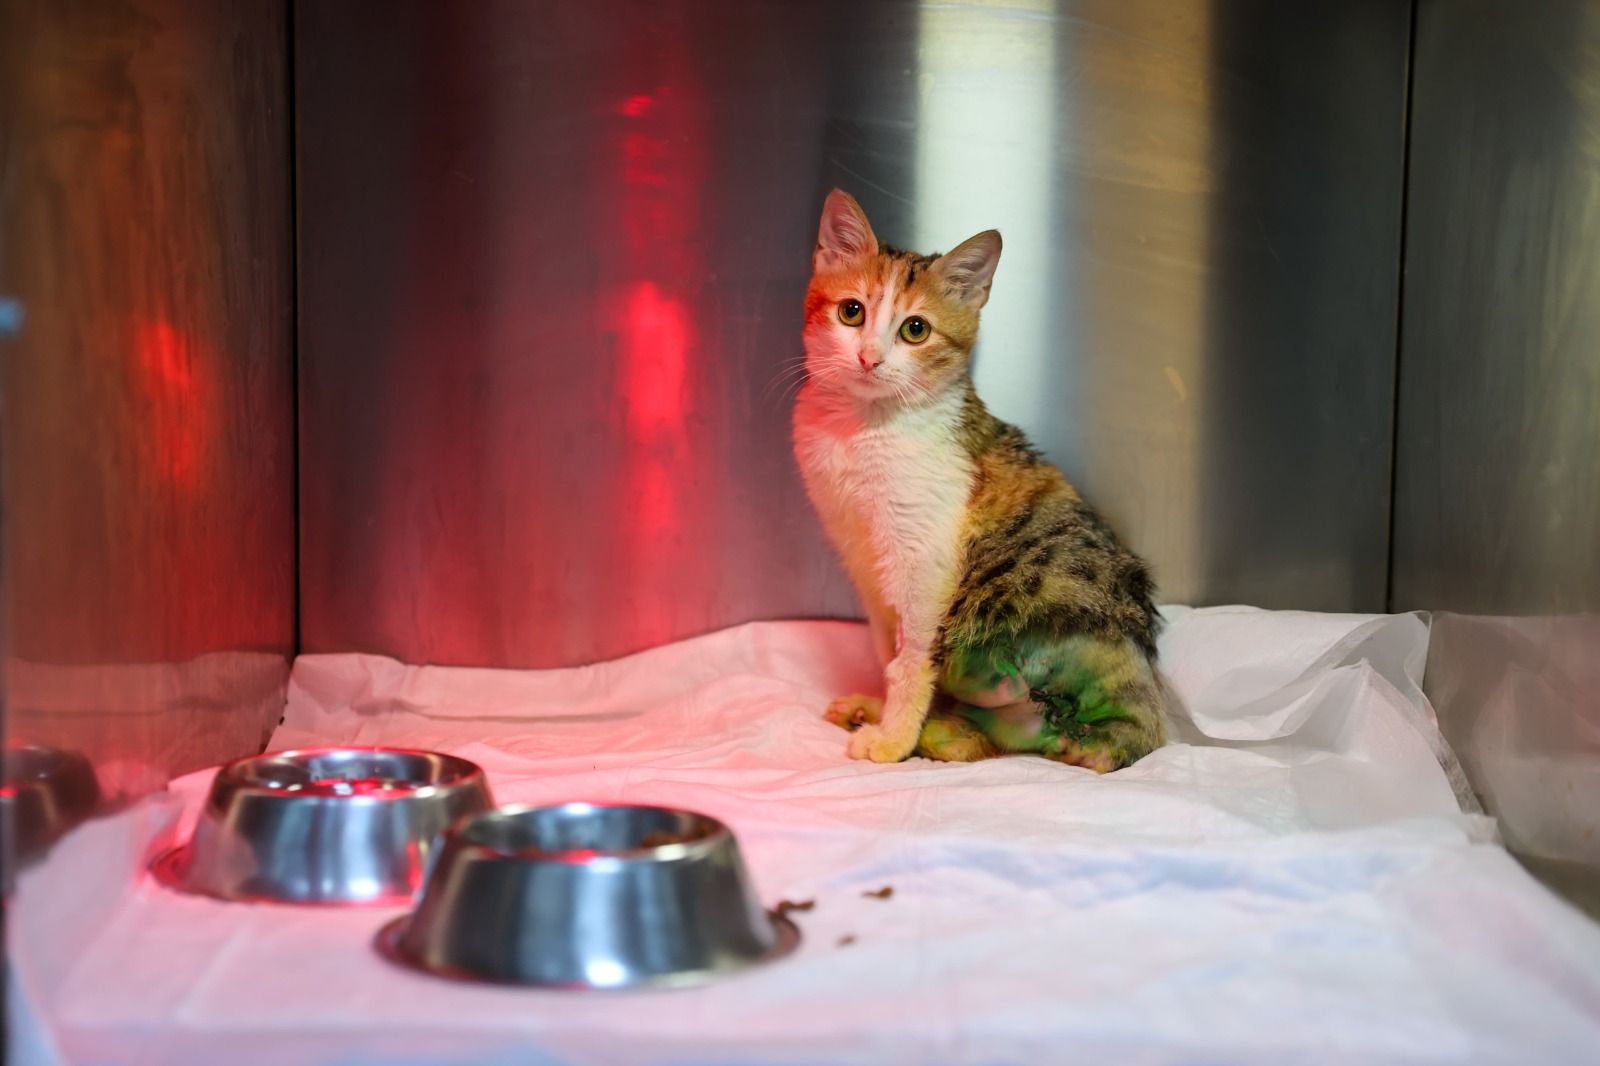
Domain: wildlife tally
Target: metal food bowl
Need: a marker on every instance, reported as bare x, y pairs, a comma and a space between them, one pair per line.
46, 792
347, 826
587, 896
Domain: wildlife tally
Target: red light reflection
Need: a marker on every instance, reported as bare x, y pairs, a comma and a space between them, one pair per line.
635, 106
662, 167
171, 382
656, 350
364, 786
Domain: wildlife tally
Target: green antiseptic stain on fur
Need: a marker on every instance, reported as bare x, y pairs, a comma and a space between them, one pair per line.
1088, 695
980, 665
975, 674
1105, 712
1010, 735
1076, 700
1072, 713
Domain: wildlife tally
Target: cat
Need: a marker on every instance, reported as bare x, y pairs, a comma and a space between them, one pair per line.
1007, 615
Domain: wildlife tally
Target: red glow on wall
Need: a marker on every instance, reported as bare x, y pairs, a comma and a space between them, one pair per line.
164, 357
653, 179
656, 353
642, 158
655, 344
171, 381
638, 105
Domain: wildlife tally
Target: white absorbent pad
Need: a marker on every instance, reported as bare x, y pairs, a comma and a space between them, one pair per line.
1300, 876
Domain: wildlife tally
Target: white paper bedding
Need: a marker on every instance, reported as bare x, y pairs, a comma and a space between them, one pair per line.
1300, 877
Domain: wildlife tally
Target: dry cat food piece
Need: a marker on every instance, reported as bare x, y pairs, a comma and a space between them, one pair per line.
660, 838
846, 940
883, 893
785, 906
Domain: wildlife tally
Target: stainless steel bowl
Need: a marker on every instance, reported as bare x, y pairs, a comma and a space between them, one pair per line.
588, 896
327, 826
46, 792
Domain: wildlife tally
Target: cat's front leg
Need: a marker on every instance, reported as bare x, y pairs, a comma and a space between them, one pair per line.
921, 580
910, 678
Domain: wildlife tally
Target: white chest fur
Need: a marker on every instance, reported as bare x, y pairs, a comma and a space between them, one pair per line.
897, 489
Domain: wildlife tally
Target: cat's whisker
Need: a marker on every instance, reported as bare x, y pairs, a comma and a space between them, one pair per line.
783, 383
786, 376
783, 390
792, 373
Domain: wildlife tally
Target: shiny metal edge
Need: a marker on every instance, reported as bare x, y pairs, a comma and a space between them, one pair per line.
170, 867
37, 810
387, 943
719, 832
228, 772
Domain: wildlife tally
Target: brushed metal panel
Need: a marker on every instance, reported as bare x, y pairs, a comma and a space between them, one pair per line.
552, 262
1497, 501
148, 429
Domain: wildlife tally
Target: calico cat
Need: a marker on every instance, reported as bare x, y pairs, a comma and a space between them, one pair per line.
1007, 615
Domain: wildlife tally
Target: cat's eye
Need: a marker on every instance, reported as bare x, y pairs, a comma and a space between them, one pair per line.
851, 313
914, 330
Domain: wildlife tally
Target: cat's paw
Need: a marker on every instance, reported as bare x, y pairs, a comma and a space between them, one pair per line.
1109, 745
853, 712
871, 742
1097, 759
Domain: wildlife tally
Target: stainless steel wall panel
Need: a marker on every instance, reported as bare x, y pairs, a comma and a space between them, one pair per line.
148, 422
553, 258
1301, 307
1498, 484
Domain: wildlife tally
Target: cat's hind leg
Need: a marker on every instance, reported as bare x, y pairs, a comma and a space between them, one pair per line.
1078, 699
1103, 706
950, 736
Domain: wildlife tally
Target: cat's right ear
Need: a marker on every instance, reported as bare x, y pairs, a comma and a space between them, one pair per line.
845, 235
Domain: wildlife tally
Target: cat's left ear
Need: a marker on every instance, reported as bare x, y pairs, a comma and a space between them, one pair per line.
968, 268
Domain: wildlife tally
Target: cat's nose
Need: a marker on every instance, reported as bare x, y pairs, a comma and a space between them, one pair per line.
870, 357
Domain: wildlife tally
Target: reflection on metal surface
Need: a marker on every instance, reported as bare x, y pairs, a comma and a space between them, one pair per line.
1302, 266
1497, 489
1497, 501
985, 147
334, 826
144, 230
1519, 699
143, 722
43, 793
552, 268
587, 896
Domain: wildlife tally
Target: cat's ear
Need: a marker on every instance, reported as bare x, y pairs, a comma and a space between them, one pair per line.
845, 235
968, 268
